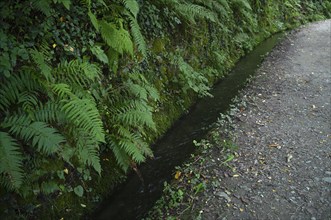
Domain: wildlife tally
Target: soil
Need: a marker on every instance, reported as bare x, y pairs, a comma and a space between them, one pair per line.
283, 163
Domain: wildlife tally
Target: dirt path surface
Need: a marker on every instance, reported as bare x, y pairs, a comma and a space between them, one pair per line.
283, 165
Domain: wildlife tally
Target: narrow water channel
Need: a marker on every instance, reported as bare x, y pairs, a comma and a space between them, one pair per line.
135, 198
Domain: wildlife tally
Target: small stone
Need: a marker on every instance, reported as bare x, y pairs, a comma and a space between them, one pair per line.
327, 179
225, 196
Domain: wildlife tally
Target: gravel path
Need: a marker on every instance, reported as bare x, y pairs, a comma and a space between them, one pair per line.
283, 166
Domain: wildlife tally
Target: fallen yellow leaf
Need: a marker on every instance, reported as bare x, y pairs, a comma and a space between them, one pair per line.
178, 174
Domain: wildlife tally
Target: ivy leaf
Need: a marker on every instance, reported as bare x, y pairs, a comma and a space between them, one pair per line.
79, 191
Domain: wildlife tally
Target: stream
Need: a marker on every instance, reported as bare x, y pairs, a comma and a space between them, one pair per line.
134, 198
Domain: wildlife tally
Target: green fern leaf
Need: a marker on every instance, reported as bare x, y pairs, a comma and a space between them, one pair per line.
49, 112
62, 90
46, 139
191, 11
12, 87
88, 154
43, 6
44, 67
243, 4
10, 162
89, 119
132, 6
93, 20
137, 36
118, 39
28, 100
122, 157
100, 54
224, 3
77, 72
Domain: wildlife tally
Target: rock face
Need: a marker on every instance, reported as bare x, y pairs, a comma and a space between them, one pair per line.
284, 136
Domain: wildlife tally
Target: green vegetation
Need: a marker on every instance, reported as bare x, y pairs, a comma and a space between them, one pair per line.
86, 86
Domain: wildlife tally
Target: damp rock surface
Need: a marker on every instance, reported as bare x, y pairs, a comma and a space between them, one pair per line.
282, 168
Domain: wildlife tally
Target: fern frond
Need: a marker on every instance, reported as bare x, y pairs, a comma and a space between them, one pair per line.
220, 9
132, 6
28, 100
42, 64
50, 113
88, 152
10, 162
128, 147
84, 114
118, 39
81, 73
122, 157
137, 36
62, 90
43, 6
191, 11
224, 3
11, 88
100, 54
131, 149
93, 20
136, 116
46, 139
242, 4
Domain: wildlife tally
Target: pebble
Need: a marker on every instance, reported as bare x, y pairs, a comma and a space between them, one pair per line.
225, 196
327, 179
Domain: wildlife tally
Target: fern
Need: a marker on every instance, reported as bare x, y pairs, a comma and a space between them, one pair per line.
80, 73
28, 99
191, 79
136, 115
63, 90
130, 116
100, 54
88, 152
242, 4
128, 146
45, 138
219, 6
89, 119
191, 11
132, 6
137, 36
11, 88
50, 113
43, 6
118, 39
11, 173
40, 59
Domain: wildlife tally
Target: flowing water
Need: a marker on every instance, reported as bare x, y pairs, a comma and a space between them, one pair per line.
135, 198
